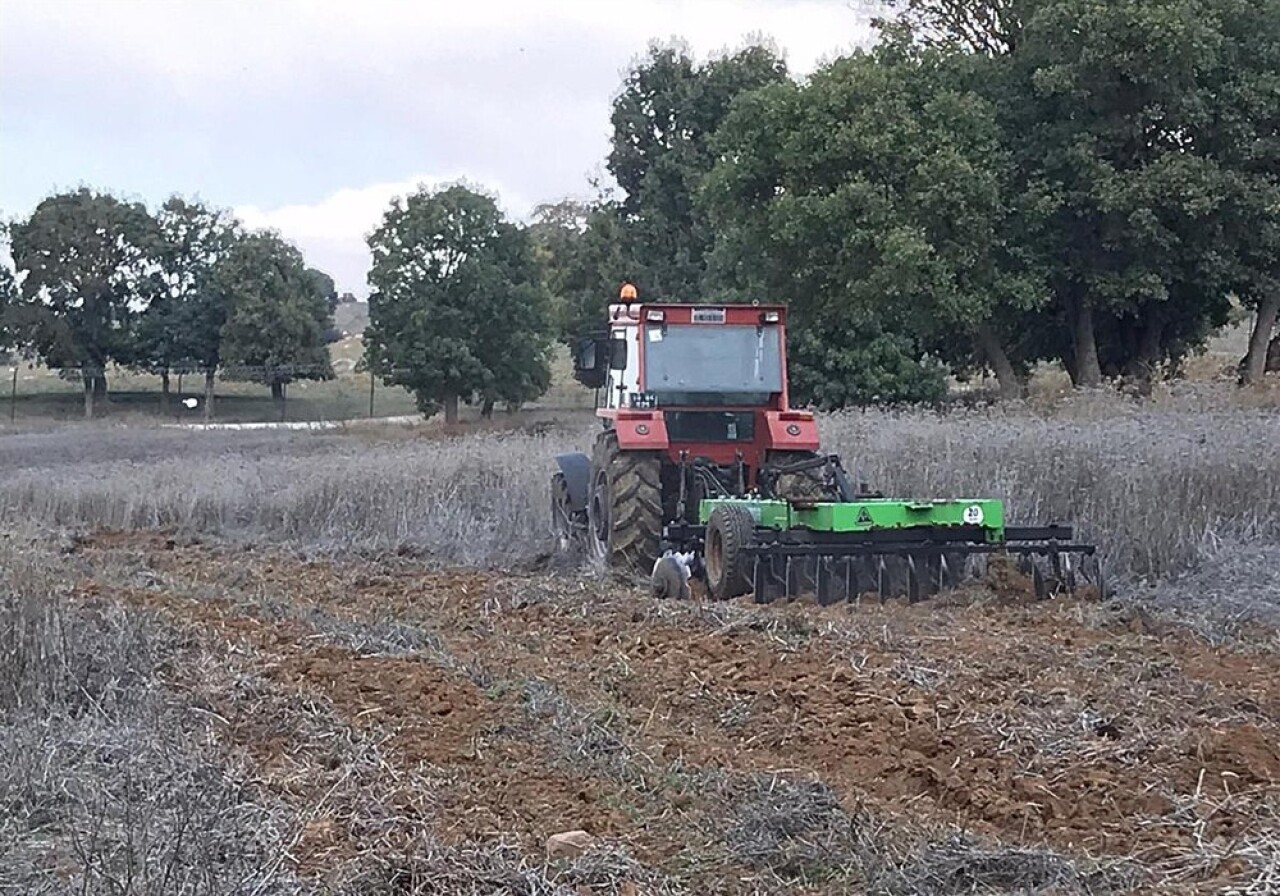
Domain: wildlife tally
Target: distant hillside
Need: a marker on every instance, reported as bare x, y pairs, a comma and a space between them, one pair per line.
352, 317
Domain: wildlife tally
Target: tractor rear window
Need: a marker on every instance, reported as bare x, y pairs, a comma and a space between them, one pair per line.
710, 426
712, 358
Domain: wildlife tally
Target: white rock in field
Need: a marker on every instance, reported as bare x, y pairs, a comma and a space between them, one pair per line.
568, 844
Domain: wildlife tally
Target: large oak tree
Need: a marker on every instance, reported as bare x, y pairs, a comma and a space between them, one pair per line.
457, 311
89, 270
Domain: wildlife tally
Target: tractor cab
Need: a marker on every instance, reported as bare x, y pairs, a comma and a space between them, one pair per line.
665, 355
696, 381
693, 399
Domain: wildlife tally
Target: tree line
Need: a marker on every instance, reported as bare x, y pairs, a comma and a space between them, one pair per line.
97, 280
993, 184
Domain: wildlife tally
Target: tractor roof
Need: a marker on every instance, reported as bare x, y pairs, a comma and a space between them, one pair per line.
679, 312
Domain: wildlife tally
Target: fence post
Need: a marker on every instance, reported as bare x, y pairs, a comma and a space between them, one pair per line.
13, 394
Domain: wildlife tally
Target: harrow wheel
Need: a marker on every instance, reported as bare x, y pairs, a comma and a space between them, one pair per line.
730, 531
566, 525
624, 507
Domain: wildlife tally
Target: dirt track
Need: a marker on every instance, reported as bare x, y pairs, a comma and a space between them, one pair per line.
534, 705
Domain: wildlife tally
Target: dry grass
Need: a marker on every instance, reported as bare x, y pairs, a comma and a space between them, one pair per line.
1154, 486
107, 783
1157, 485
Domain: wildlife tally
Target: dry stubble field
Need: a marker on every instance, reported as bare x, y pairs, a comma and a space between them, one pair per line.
345, 663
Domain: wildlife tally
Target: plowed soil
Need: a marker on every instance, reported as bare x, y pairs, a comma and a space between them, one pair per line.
543, 703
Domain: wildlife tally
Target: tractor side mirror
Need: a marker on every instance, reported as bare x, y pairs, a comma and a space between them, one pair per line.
618, 354
589, 362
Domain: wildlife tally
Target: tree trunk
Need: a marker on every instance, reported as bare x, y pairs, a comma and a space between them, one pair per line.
1255, 363
277, 395
1142, 365
486, 409
1011, 386
100, 386
88, 398
451, 409
1085, 342
164, 392
208, 395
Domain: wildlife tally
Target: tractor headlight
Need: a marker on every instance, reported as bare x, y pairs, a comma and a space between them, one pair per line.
770, 317
656, 316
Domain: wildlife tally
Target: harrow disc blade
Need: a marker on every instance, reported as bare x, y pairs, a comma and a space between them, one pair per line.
836, 580
917, 573
1054, 575
802, 576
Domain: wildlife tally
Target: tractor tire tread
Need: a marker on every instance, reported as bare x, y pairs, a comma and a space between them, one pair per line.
636, 517
736, 529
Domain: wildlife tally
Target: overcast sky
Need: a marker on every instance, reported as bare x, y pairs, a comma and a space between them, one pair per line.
309, 115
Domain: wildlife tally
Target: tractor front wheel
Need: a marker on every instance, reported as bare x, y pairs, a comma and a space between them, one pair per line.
730, 531
624, 508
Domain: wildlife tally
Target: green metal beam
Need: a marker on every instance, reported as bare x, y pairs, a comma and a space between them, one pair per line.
867, 516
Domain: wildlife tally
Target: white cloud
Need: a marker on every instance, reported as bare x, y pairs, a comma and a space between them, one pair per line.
332, 232
309, 115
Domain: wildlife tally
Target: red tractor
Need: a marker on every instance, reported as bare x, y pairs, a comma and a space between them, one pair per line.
693, 401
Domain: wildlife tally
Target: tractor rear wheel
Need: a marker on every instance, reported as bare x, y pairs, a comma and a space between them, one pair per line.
624, 507
730, 531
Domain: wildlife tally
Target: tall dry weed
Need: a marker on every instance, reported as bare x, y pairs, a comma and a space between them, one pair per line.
1154, 484
108, 783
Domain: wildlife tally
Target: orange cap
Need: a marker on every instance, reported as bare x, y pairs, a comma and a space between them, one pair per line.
628, 291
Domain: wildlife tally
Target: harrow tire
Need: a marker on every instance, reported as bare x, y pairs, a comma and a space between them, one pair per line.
624, 506
730, 531
566, 529
805, 485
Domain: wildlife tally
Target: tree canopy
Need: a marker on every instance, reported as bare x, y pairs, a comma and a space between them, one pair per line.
878, 201
89, 271
663, 123
181, 329
277, 318
457, 311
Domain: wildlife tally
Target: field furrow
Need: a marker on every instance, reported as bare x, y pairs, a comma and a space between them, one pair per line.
541, 703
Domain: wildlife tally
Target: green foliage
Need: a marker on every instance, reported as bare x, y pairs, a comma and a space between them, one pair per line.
578, 249
584, 266
276, 318
457, 309
990, 27
8, 292
87, 258
663, 122
1003, 181
181, 330
858, 361
879, 194
1110, 106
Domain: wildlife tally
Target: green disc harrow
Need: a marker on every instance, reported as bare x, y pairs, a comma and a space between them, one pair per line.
843, 550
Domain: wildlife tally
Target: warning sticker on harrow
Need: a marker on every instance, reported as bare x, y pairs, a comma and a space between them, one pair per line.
864, 517
973, 515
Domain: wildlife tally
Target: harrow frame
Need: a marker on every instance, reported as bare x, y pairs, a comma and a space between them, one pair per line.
838, 551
